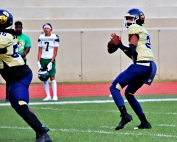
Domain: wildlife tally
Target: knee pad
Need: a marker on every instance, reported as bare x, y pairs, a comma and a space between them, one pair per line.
17, 103
21, 109
18, 94
113, 88
116, 86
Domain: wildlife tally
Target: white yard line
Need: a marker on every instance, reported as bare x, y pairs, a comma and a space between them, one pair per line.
92, 101
79, 110
166, 125
85, 110
160, 125
97, 131
167, 113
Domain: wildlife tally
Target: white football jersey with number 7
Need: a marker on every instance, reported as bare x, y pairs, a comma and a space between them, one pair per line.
48, 43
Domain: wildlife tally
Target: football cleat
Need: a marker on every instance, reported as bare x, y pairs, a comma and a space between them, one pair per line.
44, 138
45, 128
48, 98
55, 98
144, 125
125, 119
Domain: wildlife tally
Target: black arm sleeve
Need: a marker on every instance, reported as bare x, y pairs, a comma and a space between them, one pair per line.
132, 48
129, 51
125, 49
3, 51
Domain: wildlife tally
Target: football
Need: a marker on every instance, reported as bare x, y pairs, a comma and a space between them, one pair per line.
111, 47
111, 44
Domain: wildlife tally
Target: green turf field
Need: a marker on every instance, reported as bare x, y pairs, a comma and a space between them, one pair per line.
93, 122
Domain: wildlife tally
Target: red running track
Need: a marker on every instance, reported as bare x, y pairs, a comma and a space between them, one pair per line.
83, 90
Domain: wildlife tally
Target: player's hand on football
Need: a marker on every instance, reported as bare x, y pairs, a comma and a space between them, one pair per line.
49, 66
39, 65
116, 39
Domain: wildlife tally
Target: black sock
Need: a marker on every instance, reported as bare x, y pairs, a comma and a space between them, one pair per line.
142, 118
123, 110
30, 118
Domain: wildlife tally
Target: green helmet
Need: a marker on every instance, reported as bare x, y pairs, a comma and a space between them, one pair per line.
43, 75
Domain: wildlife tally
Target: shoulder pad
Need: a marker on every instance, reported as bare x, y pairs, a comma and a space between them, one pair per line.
10, 37
134, 29
41, 36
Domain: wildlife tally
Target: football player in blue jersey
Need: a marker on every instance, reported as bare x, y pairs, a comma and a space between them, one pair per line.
142, 70
18, 75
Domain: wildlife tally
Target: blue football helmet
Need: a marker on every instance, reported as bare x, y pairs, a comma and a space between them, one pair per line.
137, 15
43, 75
6, 19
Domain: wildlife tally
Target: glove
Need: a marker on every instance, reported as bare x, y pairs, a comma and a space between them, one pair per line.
49, 66
39, 65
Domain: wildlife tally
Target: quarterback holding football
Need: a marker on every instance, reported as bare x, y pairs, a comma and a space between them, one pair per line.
141, 71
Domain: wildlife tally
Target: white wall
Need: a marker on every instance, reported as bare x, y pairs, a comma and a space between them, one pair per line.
83, 56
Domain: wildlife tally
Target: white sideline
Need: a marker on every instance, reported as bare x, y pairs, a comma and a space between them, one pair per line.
86, 110
92, 101
96, 131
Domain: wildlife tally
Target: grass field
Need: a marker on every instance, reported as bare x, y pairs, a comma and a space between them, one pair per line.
74, 120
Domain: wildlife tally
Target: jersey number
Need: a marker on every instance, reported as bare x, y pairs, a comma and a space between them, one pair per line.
47, 47
148, 44
15, 51
3, 34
